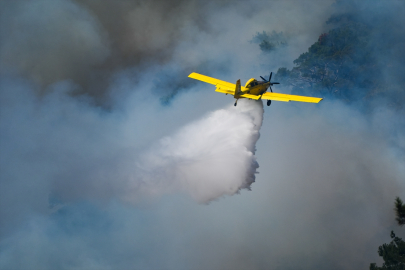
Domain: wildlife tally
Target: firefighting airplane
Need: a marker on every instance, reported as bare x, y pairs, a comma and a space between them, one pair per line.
253, 89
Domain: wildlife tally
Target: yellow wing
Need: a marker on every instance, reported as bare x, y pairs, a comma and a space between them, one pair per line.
212, 80
286, 98
222, 86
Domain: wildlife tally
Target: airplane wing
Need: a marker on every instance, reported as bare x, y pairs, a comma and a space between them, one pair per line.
222, 86
287, 98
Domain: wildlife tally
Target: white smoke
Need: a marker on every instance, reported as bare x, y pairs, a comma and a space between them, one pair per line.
324, 179
206, 159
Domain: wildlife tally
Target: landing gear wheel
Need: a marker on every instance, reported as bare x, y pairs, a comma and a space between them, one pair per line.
235, 103
268, 102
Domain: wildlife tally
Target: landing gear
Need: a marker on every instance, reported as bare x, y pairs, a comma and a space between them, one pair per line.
268, 102
236, 103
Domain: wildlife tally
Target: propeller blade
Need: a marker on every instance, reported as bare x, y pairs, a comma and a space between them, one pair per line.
271, 73
275, 83
263, 78
271, 90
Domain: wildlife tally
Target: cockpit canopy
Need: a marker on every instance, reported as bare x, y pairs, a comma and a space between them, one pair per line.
251, 82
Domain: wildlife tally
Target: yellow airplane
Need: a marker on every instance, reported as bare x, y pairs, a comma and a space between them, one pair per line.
253, 89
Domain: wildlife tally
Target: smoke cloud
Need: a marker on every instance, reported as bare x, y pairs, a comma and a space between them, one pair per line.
111, 158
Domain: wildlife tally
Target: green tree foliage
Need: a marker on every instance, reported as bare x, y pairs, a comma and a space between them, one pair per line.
267, 46
269, 42
399, 211
334, 65
393, 253
351, 63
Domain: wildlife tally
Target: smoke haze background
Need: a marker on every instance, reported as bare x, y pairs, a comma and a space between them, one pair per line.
107, 148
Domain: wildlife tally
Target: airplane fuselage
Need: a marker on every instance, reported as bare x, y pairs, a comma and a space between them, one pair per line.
255, 87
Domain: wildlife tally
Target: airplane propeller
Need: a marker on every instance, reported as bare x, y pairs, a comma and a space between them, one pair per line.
271, 83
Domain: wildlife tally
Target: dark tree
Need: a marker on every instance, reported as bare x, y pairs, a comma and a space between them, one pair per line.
358, 61
393, 253
269, 42
337, 63
399, 211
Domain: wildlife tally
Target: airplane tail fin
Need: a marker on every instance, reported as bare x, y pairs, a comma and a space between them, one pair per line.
238, 91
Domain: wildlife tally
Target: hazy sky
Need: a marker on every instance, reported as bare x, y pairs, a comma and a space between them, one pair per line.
96, 172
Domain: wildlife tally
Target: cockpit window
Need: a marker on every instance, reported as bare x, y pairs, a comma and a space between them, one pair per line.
251, 83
